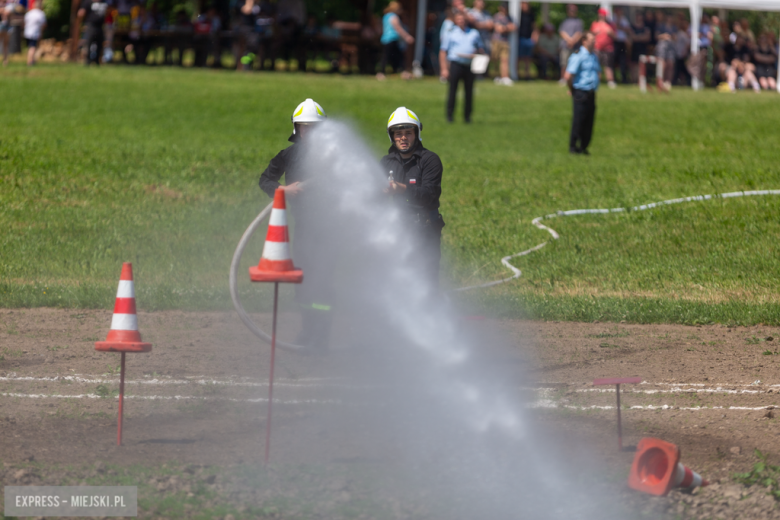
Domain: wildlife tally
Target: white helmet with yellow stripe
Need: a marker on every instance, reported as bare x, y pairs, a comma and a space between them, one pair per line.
308, 112
403, 116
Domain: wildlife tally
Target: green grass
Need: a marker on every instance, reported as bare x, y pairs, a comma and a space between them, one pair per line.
160, 167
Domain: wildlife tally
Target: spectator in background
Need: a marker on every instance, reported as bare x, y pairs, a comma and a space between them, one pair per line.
765, 59
264, 30
201, 39
570, 31
547, 47
740, 75
682, 48
93, 13
393, 34
744, 26
622, 29
527, 37
245, 40
34, 23
664, 52
717, 38
449, 23
455, 55
502, 28
739, 50
141, 24
650, 23
698, 64
481, 21
215, 49
640, 40
5, 28
605, 45
291, 19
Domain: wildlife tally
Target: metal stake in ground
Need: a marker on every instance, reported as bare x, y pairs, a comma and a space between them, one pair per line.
617, 381
121, 401
123, 336
271, 377
275, 266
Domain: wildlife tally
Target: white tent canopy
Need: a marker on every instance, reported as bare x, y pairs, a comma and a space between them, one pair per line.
695, 8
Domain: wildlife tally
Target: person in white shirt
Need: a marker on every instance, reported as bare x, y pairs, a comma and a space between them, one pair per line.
34, 23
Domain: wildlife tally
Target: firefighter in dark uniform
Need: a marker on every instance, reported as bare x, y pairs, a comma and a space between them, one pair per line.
414, 181
314, 295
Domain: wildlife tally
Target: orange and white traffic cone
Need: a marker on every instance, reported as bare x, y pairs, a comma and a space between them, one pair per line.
657, 469
123, 336
276, 264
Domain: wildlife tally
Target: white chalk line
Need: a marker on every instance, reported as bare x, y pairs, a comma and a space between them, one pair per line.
516, 273
546, 403
172, 398
199, 380
717, 390
542, 403
221, 382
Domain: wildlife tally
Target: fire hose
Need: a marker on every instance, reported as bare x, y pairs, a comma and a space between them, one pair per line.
516, 273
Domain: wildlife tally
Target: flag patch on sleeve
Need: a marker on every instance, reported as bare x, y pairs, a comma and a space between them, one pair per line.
412, 181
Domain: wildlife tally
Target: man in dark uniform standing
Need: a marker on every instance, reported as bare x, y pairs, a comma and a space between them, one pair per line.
414, 176
314, 295
93, 12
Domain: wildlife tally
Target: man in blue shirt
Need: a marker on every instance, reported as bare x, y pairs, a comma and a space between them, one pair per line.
457, 49
582, 76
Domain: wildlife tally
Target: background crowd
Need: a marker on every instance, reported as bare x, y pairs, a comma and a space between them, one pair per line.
632, 44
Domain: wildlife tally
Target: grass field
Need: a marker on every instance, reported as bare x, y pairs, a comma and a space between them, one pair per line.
159, 166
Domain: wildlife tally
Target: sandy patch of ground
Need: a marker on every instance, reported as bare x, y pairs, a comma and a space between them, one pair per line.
198, 401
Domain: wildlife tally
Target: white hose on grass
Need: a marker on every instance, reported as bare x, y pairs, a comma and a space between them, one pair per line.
516, 273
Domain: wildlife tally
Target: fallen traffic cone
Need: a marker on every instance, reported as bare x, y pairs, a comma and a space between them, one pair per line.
657, 469
123, 336
276, 264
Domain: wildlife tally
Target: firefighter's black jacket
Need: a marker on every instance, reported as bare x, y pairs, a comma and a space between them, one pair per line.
287, 161
421, 174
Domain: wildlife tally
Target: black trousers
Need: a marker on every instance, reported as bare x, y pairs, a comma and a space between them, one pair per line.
582, 121
621, 60
460, 72
681, 75
315, 296
94, 35
393, 55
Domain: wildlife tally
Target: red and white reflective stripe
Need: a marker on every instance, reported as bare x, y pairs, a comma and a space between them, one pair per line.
277, 234
124, 306
276, 250
126, 289
124, 322
278, 217
125, 317
685, 477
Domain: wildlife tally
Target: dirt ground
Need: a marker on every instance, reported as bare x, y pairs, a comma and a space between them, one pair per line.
198, 401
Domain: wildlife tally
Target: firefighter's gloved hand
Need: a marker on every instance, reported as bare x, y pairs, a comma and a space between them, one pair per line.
394, 188
291, 190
